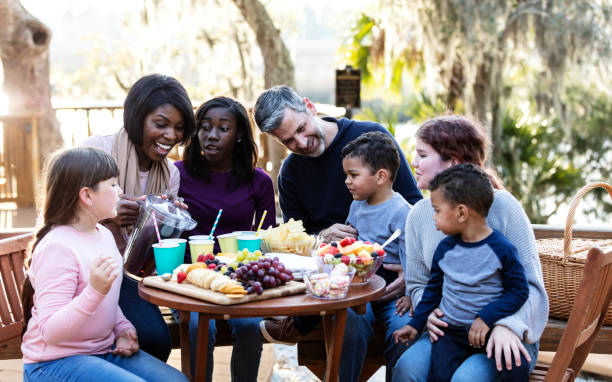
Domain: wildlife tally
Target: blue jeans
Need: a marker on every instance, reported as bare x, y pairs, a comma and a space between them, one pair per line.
449, 352
247, 346
153, 333
359, 331
414, 364
107, 367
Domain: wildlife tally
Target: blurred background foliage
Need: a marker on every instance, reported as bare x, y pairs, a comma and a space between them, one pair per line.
535, 73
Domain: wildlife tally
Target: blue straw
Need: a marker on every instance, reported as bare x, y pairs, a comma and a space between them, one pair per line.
215, 225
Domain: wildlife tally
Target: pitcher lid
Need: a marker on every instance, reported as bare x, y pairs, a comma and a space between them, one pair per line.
167, 209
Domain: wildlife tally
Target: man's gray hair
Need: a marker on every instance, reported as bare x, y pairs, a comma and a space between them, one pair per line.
271, 104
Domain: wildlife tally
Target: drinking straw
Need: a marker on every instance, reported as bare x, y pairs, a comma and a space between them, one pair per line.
215, 224
156, 229
261, 222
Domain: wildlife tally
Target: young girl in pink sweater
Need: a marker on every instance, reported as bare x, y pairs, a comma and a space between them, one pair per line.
75, 330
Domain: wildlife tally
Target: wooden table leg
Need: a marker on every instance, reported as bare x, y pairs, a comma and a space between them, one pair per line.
184, 337
202, 348
328, 328
360, 309
333, 343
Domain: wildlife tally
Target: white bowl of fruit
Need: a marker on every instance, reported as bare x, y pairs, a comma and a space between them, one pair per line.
365, 257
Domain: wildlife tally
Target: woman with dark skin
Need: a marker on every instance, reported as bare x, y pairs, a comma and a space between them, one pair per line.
218, 172
157, 116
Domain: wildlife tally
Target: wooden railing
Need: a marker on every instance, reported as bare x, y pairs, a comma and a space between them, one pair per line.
76, 124
76, 121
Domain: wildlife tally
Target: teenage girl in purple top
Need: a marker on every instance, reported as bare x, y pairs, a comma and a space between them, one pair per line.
218, 171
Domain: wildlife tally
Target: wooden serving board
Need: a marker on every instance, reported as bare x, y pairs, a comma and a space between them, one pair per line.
187, 289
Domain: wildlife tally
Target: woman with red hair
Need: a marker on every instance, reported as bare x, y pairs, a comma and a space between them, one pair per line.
441, 143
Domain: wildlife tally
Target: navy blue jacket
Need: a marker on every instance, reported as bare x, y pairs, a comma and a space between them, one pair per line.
312, 189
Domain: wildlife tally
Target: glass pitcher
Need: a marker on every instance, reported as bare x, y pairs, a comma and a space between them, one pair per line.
138, 260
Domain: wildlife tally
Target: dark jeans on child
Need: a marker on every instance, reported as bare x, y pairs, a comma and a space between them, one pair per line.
451, 349
153, 333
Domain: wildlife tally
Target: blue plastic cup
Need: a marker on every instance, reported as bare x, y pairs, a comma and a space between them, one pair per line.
250, 242
168, 256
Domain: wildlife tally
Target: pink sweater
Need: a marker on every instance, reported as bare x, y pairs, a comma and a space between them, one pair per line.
69, 316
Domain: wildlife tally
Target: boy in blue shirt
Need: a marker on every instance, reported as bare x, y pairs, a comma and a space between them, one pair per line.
476, 277
370, 163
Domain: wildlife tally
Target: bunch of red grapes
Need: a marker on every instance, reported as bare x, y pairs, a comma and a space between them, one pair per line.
262, 274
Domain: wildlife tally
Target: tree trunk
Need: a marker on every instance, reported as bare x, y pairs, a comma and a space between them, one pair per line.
456, 83
278, 69
24, 51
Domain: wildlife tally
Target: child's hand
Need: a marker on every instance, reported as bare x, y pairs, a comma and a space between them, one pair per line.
126, 344
104, 271
405, 335
402, 305
478, 333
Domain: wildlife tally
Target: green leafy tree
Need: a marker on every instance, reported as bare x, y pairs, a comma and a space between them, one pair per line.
526, 68
534, 167
466, 51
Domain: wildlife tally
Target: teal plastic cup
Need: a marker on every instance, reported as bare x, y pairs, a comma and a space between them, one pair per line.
181, 242
168, 256
250, 242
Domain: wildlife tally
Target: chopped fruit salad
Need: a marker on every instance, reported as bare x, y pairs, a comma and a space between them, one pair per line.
365, 257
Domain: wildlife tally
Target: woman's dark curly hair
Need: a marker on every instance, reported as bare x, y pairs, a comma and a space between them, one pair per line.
244, 156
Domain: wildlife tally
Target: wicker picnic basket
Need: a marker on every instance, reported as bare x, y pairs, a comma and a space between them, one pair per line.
563, 261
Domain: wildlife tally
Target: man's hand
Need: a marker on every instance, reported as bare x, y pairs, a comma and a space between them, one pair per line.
434, 323
403, 305
398, 287
478, 333
338, 232
405, 335
127, 210
126, 344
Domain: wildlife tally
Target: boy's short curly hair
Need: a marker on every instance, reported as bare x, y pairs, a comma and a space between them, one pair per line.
466, 184
375, 149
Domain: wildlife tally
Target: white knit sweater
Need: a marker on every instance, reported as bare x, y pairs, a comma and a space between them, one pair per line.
505, 215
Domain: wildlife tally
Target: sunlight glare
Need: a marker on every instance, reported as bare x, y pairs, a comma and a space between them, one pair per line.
3, 103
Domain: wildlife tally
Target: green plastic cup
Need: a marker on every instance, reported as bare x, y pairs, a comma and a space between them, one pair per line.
229, 242
250, 242
168, 256
198, 237
200, 247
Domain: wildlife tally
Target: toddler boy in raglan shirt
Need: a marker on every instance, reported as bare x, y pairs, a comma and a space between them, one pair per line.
476, 277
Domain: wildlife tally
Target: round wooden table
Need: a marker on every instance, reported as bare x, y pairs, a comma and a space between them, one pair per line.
333, 312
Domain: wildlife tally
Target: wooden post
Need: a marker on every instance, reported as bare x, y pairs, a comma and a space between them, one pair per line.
21, 156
